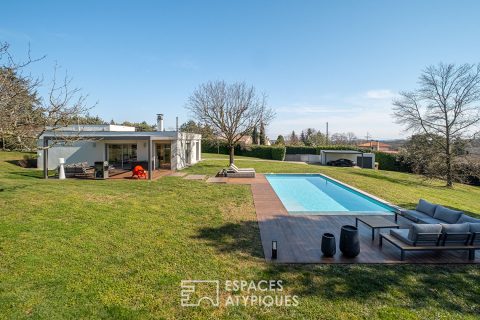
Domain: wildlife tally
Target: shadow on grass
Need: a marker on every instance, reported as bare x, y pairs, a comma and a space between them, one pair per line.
452, 288
31, 173
242, 237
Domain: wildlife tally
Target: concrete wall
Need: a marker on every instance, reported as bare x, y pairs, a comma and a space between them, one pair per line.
180, 158
79, 151
310, 158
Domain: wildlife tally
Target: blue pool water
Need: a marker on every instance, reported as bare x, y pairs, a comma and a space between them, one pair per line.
316, 194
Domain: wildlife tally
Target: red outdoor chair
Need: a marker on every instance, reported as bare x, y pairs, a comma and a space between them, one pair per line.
139, 172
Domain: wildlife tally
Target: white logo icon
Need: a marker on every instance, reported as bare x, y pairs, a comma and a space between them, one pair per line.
194, 292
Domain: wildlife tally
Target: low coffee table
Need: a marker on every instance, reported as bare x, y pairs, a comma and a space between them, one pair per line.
376, 222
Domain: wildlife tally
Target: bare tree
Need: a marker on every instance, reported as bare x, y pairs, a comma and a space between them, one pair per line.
24, 115
446, 105
231, 110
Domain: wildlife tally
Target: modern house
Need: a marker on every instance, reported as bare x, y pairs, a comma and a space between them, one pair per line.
121, 146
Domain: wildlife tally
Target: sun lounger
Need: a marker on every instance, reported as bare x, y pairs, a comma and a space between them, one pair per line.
237, 169
234, 172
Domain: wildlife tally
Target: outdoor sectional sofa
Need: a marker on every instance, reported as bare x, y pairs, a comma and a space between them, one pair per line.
435, 228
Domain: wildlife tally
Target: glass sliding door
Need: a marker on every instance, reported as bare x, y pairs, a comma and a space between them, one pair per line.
121, 156
164, 155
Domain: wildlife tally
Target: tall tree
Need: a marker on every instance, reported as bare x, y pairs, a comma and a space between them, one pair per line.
446, 105
293, 139
24, 116
231, 110
280, 140
303, 138
255, 135
262, 136
194, 127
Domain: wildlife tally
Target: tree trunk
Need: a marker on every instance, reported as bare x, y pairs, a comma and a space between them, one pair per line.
232, 150
449, 170
448, 160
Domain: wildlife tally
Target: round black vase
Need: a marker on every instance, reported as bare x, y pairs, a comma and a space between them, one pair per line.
349, 242
329, 247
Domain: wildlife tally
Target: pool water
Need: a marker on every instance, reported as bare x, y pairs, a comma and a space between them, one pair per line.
316, 194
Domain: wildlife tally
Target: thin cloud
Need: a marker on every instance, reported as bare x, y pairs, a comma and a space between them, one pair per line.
382, 94
295, 109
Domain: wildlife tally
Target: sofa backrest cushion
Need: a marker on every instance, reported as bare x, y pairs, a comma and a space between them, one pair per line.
447, 215
426, 207
467, 219
474, 227
417, 228
455, 228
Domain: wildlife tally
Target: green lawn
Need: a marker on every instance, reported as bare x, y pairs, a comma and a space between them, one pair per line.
119, 249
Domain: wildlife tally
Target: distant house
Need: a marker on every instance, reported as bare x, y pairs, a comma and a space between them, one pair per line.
377, 146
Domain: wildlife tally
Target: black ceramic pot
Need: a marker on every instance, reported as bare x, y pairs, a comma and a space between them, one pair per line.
329, 247
349, 242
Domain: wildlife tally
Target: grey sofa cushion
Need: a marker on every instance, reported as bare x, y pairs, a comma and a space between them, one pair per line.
447, 215
426, 207
474, 227
429, 220
455, 228
419, 217
411, 214
466, 219
401, 234
423, 228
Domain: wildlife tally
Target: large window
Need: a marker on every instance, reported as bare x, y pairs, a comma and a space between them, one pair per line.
164, 154
122, 155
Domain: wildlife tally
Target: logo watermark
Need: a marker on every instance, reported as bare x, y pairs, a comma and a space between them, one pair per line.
263, 293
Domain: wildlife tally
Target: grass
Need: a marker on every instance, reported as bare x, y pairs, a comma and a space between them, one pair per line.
119, 249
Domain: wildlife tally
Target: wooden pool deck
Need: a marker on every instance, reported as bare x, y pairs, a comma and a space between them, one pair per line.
299, 236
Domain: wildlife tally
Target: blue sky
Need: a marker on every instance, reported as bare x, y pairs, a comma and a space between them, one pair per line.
318, 61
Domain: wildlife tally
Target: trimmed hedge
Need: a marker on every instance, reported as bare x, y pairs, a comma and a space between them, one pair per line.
278, 153
262, 152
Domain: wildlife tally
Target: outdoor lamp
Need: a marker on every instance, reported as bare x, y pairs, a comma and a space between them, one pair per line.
274, 250
61, 168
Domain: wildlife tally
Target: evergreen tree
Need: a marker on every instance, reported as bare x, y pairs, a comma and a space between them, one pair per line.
255, 135
293, 140
280, 140
263, 137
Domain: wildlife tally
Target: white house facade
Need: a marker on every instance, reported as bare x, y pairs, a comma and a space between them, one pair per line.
121, 146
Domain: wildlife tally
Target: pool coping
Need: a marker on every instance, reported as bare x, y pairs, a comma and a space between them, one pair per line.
396, 208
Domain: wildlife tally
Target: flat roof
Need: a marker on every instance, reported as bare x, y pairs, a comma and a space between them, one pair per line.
155, 135
342, 151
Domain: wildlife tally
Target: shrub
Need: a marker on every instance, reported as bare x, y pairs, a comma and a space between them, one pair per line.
278, 153
391, 162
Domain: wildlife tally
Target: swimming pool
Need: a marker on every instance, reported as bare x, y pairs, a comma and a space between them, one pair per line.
317, 194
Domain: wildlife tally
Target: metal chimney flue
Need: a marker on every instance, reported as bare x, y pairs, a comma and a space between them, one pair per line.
160, 122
